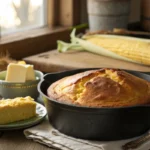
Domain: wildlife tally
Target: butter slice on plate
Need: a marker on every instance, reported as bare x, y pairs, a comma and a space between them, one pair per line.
16, 73
19, 108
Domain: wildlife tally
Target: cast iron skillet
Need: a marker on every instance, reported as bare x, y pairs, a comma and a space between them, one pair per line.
94, 123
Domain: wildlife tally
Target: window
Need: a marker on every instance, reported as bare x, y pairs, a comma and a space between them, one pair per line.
18, 15
51, 18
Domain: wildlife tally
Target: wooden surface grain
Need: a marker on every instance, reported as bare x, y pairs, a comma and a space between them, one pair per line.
28, 43
53, 61
15, 140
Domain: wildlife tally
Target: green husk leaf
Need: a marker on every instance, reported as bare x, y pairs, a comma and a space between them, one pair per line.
64, 47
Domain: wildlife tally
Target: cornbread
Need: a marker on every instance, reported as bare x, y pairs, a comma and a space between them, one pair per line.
17, 109
101, 88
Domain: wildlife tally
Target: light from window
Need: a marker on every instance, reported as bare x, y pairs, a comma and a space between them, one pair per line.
18, 15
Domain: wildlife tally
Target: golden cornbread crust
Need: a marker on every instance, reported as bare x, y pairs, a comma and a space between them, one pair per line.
17, 109
17, 101
101, 88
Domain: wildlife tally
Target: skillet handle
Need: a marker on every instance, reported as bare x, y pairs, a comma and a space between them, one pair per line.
136, 143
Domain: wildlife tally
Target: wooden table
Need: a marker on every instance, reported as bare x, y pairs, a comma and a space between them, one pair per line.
53, 61
15, 140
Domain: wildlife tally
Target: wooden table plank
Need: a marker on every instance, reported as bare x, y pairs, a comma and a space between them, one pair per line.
15, 140
52, 61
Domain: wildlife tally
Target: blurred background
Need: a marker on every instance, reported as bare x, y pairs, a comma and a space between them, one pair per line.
18, 15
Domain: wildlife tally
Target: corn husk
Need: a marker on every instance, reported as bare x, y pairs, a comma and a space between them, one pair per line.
84, 43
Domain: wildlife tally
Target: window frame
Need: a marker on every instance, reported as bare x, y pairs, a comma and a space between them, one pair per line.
59, 23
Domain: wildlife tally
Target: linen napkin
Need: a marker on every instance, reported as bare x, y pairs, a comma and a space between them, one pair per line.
45, 134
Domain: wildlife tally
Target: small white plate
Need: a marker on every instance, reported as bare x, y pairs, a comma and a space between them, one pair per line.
40, 115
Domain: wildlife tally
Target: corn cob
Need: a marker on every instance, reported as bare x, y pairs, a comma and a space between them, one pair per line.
132, 48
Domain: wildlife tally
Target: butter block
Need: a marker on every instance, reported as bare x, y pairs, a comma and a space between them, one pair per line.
20, 72
16, 73
30, 75
20, 108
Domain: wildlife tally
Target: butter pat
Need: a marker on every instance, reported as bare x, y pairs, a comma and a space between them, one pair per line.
16, 73
20, 73
30, 75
